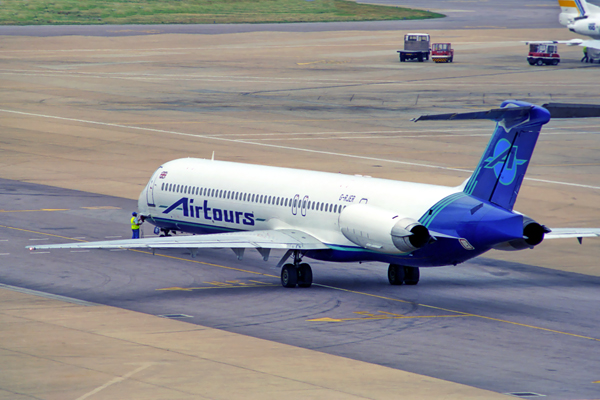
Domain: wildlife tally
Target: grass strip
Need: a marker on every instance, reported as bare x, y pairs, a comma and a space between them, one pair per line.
120, 12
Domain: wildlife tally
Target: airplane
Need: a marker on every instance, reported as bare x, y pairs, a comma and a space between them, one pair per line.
583, 18
343, 218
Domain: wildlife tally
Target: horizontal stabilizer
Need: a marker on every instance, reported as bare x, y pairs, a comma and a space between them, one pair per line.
564, 110
557, 110
495, 114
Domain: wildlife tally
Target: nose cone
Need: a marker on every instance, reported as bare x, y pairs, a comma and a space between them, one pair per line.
143, 208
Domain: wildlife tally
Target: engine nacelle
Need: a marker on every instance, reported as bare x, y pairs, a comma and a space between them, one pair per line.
381, 230
533, 234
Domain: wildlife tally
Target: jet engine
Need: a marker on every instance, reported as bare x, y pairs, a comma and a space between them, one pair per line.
533, 234
381, 230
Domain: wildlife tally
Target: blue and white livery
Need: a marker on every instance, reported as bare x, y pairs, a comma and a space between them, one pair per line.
343, 218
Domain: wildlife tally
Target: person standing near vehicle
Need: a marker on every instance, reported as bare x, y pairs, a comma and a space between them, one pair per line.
135, 225
585, 55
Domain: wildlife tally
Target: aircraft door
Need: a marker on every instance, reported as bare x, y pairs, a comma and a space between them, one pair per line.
303, 208
295, 204
150, 189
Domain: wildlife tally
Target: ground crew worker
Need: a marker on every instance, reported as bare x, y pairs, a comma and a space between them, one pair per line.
135, 225
585, 55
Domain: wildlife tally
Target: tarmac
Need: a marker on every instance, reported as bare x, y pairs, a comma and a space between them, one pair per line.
99, 114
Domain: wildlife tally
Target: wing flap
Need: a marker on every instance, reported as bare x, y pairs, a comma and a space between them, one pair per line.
267, 239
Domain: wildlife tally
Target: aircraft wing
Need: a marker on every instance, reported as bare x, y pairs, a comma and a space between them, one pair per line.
594, 44
566, 233
268, 239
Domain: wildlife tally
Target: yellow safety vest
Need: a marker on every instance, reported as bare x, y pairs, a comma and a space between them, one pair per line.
134, 226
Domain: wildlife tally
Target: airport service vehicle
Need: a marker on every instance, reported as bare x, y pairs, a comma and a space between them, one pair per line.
543, 54
442, 52
416, 47
344, 218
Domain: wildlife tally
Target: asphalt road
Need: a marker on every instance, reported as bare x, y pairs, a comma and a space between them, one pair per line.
501, 326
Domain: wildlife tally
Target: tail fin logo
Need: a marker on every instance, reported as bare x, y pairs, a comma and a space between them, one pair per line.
504, 161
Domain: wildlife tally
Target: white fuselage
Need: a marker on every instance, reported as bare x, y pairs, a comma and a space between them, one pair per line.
225, 196
584, 21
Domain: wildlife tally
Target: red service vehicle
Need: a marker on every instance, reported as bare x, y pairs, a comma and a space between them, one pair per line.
442, 52
543, 53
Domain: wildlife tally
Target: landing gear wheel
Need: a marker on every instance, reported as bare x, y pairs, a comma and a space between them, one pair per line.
289, 276
304, 276
411, 275
396, 274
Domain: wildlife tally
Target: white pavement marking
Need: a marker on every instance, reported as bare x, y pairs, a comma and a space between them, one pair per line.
4, 254
116, 380
281, 147
112, 237
80, 251
39, 239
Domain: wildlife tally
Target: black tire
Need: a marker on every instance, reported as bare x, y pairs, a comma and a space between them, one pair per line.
411, 275
420, 58
289, 276
539, 62
452, 59
402, 58
555, 62
395, 274
305, 276
531, 62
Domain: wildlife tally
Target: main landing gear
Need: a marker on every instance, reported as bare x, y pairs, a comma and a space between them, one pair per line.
399, 274
297, 273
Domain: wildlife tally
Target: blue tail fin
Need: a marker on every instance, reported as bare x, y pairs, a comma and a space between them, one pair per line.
500, 172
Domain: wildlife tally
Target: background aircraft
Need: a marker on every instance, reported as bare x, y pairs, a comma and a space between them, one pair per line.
342, 218
583, 18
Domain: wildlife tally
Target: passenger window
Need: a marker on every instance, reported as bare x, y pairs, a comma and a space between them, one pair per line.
335, 208
322, 204
252, 198
277, 201
212, 193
